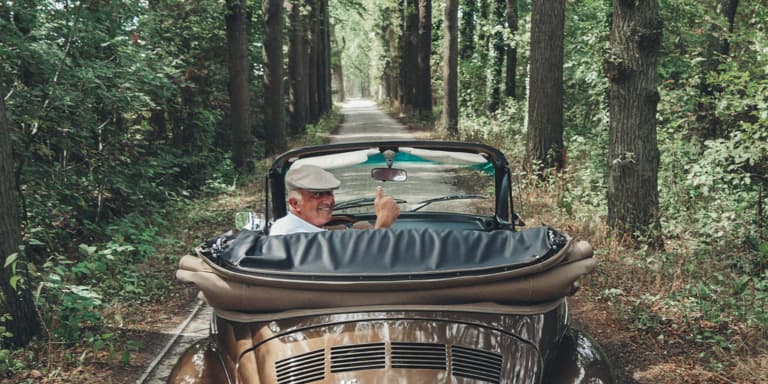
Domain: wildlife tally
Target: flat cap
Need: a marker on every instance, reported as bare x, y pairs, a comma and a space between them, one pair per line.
310, 178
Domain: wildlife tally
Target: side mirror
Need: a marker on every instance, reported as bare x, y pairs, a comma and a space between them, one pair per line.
249, 220
389, 174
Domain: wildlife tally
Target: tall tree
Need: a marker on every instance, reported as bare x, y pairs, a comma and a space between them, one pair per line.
313, 59
544, 140
239, 96
324, 58
450, 68
388, 35
297, 70
274, 131
716, 50
467, 29
497, 66
14, 281
409, 58
337, 69
633, 155
483, 37
424, 51
510, 83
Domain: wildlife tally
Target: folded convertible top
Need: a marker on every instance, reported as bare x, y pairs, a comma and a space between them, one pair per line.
386, 255
257, 273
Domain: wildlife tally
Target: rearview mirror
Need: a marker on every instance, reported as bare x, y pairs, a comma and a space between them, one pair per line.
389, 174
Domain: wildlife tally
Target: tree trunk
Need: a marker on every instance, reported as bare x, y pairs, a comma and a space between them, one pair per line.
424, 49
328, 59
396, 53
483, 39
468, 12
633, 155
409, 56
274, 132
718, 47
544, 141
24, 323
499, 7
337, 69
313, 63
324, 59
511, 67
239, 97
391, 66
297, 77
450, 69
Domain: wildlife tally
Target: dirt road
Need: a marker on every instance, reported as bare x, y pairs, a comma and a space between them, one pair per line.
364, 121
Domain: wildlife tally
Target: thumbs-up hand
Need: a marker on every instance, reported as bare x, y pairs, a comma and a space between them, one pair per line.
386, 208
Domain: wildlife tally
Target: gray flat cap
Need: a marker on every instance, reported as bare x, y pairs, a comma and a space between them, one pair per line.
310, 178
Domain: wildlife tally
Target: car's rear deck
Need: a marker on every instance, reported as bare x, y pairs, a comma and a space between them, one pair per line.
257, 273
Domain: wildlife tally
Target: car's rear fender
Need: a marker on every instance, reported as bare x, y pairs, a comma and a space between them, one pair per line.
201, 363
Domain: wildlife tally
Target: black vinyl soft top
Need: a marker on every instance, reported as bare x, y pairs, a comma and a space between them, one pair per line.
376, 255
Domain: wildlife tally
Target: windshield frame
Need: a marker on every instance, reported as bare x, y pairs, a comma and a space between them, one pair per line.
275, 179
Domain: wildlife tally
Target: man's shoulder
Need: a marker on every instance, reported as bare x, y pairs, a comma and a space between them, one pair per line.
292, 224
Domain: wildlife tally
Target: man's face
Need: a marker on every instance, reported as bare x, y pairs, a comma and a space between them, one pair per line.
315, 207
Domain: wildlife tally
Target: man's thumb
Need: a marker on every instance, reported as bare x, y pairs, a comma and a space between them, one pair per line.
379, 192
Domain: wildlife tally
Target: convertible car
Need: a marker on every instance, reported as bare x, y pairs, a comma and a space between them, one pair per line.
457, 291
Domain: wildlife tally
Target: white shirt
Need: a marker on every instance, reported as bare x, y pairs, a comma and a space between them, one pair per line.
291, 223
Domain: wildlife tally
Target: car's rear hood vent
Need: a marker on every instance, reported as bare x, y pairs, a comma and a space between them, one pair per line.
358, 357
418, 356
301, 369
476, 364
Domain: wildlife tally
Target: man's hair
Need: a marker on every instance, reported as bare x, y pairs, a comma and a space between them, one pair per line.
295, 194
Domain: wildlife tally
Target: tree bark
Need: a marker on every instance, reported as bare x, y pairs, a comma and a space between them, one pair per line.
633, 155
424, 49
324, 59
392, 65
450, 68
494, 100
337, 69
544, 140
409, 56
510, 83
274, 132
483, 38
313, 62
718, 47
297, 75
467, 27
24, 323
239, 96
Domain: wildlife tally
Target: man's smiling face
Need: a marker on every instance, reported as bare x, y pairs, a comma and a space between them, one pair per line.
315, 207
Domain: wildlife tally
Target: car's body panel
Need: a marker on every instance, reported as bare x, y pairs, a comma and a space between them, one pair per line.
394, 347
201, 363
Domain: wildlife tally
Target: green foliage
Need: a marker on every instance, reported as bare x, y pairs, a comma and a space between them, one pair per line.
118, 116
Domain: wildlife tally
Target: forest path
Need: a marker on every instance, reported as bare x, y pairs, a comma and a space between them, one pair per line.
364, 121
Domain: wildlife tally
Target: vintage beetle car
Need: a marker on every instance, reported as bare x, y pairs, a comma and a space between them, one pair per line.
454, 292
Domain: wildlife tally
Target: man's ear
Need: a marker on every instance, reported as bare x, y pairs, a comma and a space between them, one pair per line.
293, 202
